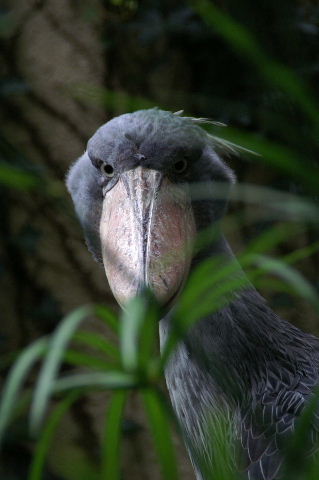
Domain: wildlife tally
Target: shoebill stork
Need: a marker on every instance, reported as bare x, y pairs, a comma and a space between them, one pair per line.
130, 191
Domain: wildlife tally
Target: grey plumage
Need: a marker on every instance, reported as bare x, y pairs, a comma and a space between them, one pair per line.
257, 368
242, 361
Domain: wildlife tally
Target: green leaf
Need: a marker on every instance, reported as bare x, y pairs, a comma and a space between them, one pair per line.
290, 275
73, 357
51, 365
18, 179
268, 239
207, 277
220, 296
108, 316
148, 339
43, 445
139, 334
98, 342
216, 279
16, 377
112, 437
159, 422
220, 434
148, 334
276, 203
132, 320
203, 295
301, 253
108, 380
298, 462
279, 156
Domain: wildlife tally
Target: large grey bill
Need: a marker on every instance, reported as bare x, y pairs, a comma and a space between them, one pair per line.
147, 230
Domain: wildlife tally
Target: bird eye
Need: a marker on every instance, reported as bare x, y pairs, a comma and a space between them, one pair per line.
180, 166
107, 170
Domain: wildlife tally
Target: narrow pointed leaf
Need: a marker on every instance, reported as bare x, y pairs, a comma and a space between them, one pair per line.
97, 342
291, 276
51, 365
132, 321
17, 375
108, 316
73, 357
43, 445
111, 465
108, 380
159, 423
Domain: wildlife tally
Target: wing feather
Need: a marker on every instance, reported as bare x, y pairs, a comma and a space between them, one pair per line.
270, 420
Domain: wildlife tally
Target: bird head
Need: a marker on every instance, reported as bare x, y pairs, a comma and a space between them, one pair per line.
132, 193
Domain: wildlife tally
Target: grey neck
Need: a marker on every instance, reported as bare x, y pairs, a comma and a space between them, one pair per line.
227, 360
231, 346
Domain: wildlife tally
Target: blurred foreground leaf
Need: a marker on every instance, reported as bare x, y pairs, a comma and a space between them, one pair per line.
44, 442
50, 367
16, 178
162, 437
112, 437
16, 377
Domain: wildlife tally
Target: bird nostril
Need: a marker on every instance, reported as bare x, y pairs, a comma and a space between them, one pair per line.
139, 156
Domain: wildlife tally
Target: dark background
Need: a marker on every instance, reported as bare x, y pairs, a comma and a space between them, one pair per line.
69, 66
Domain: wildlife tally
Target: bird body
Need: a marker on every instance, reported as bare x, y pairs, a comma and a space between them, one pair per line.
241, 363
257, 371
